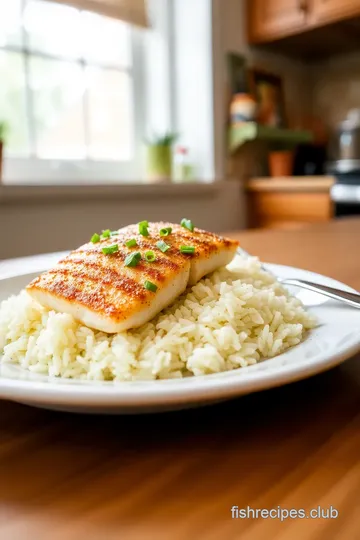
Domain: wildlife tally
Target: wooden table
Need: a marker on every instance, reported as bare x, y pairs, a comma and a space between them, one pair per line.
177, 476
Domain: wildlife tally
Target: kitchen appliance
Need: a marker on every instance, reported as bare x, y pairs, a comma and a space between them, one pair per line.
345, 166
345, 145
345, 194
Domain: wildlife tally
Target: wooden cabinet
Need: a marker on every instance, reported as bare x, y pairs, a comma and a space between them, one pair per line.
289, 203
327, 11
273, 18
288, 210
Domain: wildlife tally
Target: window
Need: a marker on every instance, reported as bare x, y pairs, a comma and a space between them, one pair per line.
68, 93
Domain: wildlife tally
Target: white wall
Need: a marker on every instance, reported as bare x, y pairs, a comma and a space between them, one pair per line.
39, 220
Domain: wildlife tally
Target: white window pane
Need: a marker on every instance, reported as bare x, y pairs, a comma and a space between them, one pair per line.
105, 40
110, 114
13, 102
58, 90
53, 29
10, 22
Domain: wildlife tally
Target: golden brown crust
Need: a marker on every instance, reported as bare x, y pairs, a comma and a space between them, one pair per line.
206, 242
104, 285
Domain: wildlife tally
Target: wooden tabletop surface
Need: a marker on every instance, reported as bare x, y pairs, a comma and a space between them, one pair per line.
177, 475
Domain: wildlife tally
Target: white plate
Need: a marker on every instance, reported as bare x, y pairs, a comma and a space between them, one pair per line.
336, 339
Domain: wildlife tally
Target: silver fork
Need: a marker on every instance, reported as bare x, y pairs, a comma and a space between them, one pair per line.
352, 299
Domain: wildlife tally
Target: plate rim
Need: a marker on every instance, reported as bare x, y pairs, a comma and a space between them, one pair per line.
170, 391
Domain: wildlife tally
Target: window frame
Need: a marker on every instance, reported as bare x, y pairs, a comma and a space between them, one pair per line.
35, 170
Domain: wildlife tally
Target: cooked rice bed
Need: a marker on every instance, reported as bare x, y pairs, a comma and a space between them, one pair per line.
234, 318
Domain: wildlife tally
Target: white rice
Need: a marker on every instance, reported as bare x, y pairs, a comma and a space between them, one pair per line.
233, 318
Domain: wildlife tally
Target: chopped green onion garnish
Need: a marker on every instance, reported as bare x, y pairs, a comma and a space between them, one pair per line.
95, 238
187, 249
133, 259
150, 286
165, 231
114, 233
143, 228
131, 243
162, 246
187, 224
106, 234
150, 256
109, 250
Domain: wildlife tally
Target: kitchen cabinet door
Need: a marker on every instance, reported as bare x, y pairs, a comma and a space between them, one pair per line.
327, 11
273, 19
288, 210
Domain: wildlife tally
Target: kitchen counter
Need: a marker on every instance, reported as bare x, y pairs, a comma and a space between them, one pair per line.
177, 475
291, 183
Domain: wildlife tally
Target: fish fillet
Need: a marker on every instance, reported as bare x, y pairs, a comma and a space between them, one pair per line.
104, 294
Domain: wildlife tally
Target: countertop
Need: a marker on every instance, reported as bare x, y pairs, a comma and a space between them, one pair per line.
177, 475
291, 183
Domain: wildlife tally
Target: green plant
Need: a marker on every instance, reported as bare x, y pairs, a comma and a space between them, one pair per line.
168, 139
4, 128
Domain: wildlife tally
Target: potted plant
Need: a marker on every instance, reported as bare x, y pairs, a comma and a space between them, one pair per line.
3, 133
159, 159
281, 160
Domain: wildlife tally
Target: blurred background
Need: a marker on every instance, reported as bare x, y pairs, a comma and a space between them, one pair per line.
235, 113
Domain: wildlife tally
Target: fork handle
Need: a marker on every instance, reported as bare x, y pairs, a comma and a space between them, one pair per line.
353, 299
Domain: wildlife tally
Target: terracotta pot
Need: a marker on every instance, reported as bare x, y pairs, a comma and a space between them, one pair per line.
1, 159
281, 163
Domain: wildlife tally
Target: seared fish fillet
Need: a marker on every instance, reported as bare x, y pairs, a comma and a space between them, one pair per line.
104, 294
